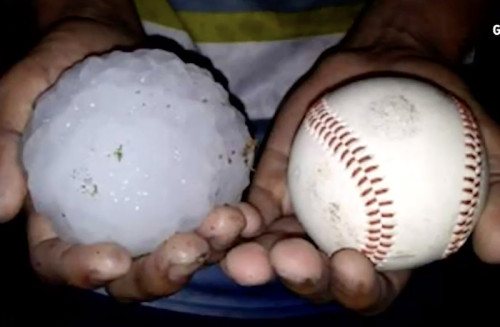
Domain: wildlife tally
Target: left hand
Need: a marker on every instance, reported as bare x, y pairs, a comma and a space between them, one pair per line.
158, 274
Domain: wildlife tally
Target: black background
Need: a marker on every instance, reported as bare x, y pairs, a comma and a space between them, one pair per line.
454, 290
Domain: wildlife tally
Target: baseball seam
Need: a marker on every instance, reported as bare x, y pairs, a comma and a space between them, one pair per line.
340, 142
472, 180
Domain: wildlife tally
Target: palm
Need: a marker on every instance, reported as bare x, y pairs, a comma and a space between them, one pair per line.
348, 276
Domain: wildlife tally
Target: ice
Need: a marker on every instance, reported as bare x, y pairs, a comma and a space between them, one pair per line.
132, 147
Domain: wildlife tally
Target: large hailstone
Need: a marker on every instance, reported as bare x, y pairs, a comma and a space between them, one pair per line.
131, 147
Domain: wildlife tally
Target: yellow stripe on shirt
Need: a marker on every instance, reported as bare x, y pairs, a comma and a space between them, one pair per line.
229, 27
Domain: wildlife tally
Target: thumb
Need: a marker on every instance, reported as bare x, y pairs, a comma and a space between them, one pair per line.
268, 192
24, 82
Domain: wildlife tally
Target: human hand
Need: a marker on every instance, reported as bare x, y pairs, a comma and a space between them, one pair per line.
162, 272
284, 251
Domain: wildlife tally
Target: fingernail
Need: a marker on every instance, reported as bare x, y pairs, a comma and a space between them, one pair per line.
307, 286
180, 272
96, 279
248, 265
110, 263
97, 276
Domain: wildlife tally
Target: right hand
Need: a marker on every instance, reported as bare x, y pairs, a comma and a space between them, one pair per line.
159, 274
283, 249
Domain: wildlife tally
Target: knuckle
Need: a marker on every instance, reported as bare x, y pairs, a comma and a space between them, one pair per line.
185, 249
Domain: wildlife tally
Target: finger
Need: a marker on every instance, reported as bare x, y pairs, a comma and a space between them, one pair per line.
302, 268
82, 266
486, 236
226, 225
249, 263
358, 286
268, 191
164, 271
254, 225
222, 227
268, 188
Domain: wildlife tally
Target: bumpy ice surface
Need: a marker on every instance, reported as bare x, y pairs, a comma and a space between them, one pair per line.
131, 147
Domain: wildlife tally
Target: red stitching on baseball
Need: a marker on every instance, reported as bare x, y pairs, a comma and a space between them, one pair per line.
358, 149
472, 182
338, 139
366, 192
332, 125
382, 191
344, 154
349, 163
343, 136
370, 202
338, 129
356, 172
364, 159
471, 167
471, 156
351, 141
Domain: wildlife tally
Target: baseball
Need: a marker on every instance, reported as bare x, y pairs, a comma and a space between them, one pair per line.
392, 167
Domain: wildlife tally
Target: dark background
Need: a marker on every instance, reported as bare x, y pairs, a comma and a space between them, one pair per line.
454, 290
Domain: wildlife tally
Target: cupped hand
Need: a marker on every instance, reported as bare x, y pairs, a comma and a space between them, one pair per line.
283, 250
158, 274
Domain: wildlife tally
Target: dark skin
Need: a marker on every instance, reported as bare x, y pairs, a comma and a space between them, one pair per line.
258, 239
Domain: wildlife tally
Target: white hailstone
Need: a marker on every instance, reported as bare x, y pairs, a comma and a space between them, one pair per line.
132, 147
